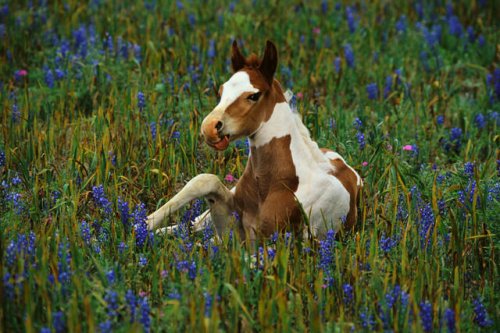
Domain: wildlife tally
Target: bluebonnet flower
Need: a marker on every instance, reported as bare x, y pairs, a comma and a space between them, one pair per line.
85, 231
388, 86
45, 330
58, 322
372, 90
361, 140
351, 22
480, 121
208, 233
426, 316
16, 113
124, 210
49, 77
337, 63
455, 27
187, 267
111, 299
100, 199
481, 40
442, 207
2, 158
387, 243
176, 135
110, 276
349, 55
16, 180
326, 256
60, 74
153, 129
16, 201
426, 224
433, 36
208, 304
401, 24
494, 191
105, 327
481, 316
348, 291
145, 319
402, 213
440, 120
140, 226
469, 169
449, 318
131, 300
358, 124
211, 49
367, 320
141, 101
143, 261
137, 52
470, 34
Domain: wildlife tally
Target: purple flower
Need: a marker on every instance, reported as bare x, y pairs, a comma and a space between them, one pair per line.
426, 225
139, 223
105, 327
143, 261
145, 318
401, 24
388, 86
357, 123
123, 208
153, 129
85, 231
337, 63
111, 299
58, 322
211, 49
2, 158
326, 256
100, 199
455, 27
361, 140
449, 318
426, 316
16, 113
481, 316
372, 91
469, 169
111, 277
348, 291
132, 304
440, 120
349, 55
141, 101
351, 22
49, 77
386, 244
208, 304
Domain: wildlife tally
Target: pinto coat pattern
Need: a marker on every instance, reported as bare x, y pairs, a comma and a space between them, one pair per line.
286, 175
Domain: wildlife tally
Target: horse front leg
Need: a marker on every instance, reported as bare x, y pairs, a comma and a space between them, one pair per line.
208, 186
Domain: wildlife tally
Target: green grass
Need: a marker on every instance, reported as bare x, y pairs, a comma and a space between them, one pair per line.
60, 139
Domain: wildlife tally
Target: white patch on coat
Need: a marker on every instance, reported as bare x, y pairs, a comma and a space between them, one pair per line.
335, 156
238, 84
322, 196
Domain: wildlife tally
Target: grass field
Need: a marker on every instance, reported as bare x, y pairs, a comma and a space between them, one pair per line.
102, 104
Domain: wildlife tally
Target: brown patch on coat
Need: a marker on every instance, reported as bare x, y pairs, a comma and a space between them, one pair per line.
350, 182
266, 189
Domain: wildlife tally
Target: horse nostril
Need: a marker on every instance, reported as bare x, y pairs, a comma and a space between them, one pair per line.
219, 125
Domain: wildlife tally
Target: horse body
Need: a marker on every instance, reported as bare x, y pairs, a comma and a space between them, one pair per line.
287, 174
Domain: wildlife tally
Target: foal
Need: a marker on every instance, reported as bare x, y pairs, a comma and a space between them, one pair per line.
286, 175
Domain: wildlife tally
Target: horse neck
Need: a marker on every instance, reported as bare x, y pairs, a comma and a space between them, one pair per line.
272, 136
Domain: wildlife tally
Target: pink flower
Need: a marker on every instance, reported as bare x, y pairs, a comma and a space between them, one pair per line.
317, 31
229, 178
300, 95
408, 147
21, 72
365, 163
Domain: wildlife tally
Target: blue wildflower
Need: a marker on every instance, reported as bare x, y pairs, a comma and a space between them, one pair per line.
2, 158
49, 77
141, 101
139, 223
481, 317
426, 316
449, 318
351, 22
337, 63
401, 24
455, 27
442, 207
361, 140
16, 113
358, 124
388, 86
123, 208
372, 91
440, 120
145, 318
100, 199
211, 49
105, 327
367, 320
470, 34
469, 169
132, 304
349, 55
480, 121
348, 291
426, 224
111, 299
143, 261
326, 256
85, 231
110, 276
58, 322
153, 129
386, 244
208, 304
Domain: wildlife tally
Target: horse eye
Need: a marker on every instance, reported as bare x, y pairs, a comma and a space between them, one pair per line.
254, 97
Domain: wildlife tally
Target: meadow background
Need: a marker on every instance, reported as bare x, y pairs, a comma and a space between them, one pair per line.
102, 103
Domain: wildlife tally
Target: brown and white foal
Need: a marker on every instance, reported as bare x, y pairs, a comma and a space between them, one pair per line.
287, 174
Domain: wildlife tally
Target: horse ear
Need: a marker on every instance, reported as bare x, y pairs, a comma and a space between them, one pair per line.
269, 62
237, 59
